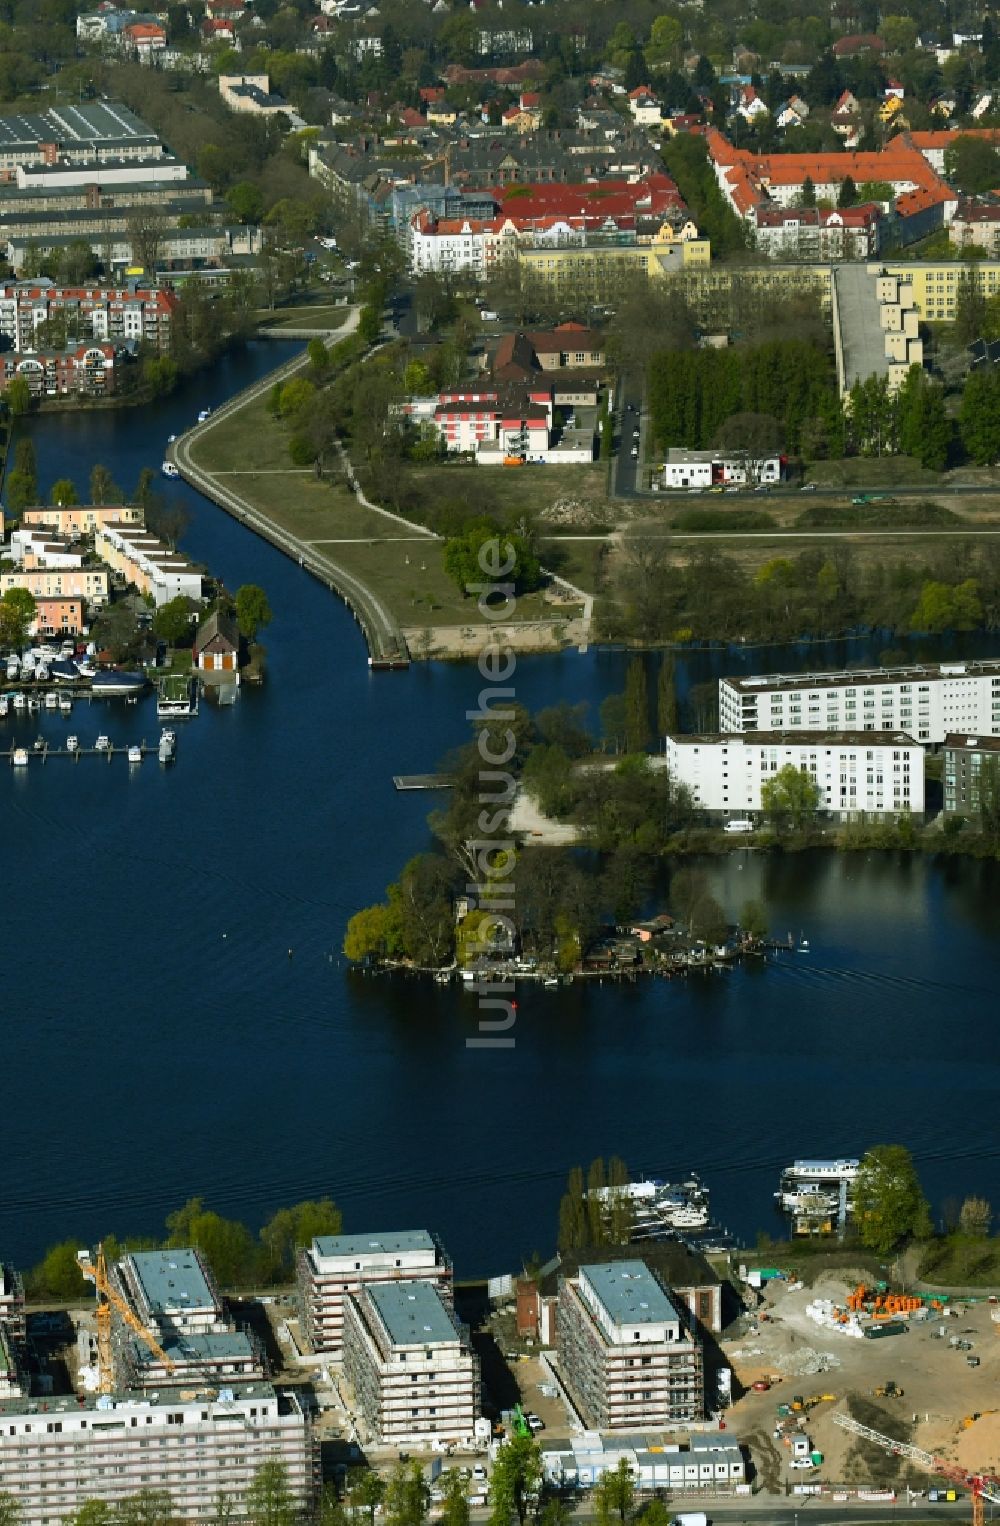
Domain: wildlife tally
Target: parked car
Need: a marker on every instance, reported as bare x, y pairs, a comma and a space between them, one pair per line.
535, 1423
479, 1473
800, 1464
808, 487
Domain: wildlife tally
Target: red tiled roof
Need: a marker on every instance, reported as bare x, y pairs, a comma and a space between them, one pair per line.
858, 42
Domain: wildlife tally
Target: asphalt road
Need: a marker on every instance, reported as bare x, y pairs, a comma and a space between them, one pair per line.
628, 418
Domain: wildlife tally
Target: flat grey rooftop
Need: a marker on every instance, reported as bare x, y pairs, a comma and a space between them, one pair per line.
373, 1245
96, 122
862, 340
629, 1293
230, 1346
172, 1281
414, 1313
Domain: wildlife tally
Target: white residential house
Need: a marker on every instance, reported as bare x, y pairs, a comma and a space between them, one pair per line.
928, 701
860, 775
750, 106
645, 108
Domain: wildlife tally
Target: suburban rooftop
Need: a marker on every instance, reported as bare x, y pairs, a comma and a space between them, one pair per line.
629, 1293
414, 1313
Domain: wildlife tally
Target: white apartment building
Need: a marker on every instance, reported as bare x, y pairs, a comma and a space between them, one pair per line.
32, 547
57, 1453
928, 702
145, 561
626, 1356
336, 1266
860, 774
410, 1364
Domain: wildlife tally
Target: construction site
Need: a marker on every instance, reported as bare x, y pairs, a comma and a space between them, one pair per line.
155, 1386
840, 1386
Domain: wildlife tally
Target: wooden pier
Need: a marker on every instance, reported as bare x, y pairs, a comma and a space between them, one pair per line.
423, 781
42, 754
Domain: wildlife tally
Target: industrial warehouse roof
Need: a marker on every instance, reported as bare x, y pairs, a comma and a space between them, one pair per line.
172, 1280
629, 1293
414, 1313
373, 1245
100, 122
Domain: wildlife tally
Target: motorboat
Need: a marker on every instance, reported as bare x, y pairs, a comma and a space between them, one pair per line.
169, 469
51, 700
34, 703
65, 704
20, 701
115, 681
20, 758
42, 672
64, 671
204, 414
4, 704
39, 744
13, 667
85, 669
103, 743
72, 744
166, 748
68, 649
135, 754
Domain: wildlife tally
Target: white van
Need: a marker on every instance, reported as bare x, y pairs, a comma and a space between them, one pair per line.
741, 824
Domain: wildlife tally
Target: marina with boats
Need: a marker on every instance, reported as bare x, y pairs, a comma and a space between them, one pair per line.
817, 1195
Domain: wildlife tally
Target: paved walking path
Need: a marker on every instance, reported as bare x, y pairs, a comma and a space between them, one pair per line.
386, 644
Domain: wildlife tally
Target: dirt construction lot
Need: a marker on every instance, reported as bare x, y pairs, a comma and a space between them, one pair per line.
939, 1387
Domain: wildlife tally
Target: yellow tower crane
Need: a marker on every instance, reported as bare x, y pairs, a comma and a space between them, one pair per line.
96, 1271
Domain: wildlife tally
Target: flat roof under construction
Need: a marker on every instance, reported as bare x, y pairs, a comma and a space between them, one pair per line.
414, 1313
374, 1245
172, 1281
629, 1293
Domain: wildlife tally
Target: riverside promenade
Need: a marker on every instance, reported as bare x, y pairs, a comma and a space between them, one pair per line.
383, 636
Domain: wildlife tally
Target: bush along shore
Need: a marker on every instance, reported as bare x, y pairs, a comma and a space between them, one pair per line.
584, 913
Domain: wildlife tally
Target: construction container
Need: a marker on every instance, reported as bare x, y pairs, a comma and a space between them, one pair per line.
890, 1327
817, 1459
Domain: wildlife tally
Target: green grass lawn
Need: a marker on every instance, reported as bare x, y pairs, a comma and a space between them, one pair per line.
247, 441
308, 315
413, 582
315, 509
574, 560
510, 489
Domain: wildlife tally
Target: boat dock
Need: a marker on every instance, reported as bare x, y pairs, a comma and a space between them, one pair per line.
423, 781
42, 754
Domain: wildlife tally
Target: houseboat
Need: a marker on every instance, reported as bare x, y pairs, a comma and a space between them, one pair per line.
817, 1194
176, 699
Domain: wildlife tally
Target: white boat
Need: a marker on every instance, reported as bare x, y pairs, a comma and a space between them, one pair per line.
72, 744
103, 743
20, 759
4, 704
40, 744
65, 704
86, 669
169, 469
166, 748
51, 700
204, 414
42, 673
20, 702
68, 649
13, 667
34, 703
135, 754
171, 438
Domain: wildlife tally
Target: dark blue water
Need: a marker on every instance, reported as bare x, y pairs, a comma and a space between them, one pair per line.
161, 1043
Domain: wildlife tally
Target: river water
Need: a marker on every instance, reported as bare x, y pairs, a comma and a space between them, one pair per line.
179, 1021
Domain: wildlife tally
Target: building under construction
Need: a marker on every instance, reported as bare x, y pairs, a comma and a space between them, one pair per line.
196, 1345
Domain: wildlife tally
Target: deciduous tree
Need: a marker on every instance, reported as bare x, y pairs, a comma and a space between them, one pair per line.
889, 1205
790, 797
253, 612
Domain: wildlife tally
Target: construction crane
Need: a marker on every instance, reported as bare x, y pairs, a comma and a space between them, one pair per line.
96, 1271
982, 1486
